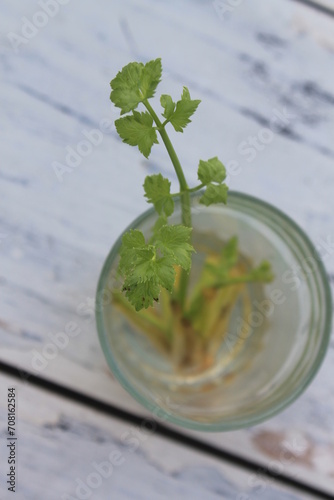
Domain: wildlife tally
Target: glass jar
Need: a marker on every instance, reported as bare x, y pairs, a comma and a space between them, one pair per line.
275, 340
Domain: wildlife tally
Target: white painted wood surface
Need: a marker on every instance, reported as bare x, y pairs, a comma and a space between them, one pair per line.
261, 59
66, 451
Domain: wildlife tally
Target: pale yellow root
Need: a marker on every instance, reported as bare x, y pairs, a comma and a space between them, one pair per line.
191, 342
146, 322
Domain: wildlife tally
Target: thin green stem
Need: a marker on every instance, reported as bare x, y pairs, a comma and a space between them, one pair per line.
197, 188
189, 190
170, 149
184, 192
248, 278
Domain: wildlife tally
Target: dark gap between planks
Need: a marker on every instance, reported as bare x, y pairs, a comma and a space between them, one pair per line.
317, 6
160, 429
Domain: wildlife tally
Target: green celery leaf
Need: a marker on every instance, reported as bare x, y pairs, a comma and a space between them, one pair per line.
161, 221
148, 268
143, 270
133, 239
165, 272
125, 86
168, 104
151, 77
137, 130
142, 294
135, 83
143, 266
157, 191
214, 193
132, 242
211, 170
185, 108
173, 241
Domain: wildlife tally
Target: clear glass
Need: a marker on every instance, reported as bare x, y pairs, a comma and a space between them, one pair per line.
267, 357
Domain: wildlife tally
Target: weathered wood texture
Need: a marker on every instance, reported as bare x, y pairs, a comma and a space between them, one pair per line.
65, 451
260, 60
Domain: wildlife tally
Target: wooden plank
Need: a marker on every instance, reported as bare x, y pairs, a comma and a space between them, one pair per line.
260, 60
66, 451
326, 6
